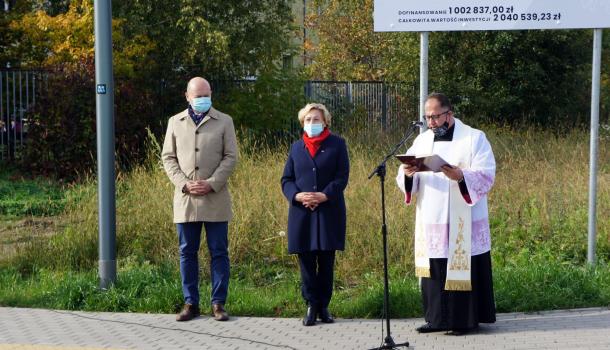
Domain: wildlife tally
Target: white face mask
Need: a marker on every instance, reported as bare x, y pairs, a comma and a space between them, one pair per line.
313, 130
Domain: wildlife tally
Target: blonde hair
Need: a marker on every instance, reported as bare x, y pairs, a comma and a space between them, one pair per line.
320, 107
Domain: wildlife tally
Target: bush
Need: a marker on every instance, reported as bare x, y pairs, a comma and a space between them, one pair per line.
62, 134
515, 77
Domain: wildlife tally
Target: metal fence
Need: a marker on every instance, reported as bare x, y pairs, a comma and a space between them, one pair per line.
18, 90
363, 107
366, 106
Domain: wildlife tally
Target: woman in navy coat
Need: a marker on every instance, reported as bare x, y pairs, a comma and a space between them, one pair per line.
315, 176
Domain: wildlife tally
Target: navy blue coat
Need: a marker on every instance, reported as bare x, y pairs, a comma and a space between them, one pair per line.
327, 172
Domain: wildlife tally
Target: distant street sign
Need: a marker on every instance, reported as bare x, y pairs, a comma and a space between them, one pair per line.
101, 89
467, 15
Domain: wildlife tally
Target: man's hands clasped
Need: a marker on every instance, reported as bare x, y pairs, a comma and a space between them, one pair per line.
198, 187
311, 200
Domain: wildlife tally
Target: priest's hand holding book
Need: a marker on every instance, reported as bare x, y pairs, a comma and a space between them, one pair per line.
412, 164
452, 172
409, 170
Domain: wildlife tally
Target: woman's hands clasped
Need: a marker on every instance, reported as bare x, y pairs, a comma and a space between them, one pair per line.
311, 200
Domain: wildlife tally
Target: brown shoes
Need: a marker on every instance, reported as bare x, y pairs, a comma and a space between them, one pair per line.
219, 312
188, 313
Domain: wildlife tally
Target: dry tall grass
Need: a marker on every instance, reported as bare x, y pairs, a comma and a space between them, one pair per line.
539, 202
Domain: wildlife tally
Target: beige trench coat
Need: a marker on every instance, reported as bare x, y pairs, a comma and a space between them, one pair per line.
204, 152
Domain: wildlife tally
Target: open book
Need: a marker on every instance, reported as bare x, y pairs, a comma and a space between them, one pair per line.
428, 162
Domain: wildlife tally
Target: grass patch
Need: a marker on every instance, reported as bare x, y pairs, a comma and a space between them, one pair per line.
149, 288
29, 209
540, 281
20, 196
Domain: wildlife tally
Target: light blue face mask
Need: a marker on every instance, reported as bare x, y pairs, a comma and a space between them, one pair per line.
201, 104
313, 130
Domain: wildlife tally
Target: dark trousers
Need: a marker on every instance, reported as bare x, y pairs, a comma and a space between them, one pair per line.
317, 269
189, 235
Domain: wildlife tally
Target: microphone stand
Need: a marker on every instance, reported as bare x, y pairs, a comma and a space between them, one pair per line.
380, 171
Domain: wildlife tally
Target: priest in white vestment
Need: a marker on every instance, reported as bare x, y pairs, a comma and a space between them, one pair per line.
452, 236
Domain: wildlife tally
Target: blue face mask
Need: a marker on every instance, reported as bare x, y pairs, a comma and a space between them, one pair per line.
313, 130
201, 104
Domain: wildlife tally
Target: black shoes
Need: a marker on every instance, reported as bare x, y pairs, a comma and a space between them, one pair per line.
325, 315
427, 328
310, 316
314, 312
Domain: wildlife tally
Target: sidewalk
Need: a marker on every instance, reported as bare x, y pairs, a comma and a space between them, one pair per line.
28, 329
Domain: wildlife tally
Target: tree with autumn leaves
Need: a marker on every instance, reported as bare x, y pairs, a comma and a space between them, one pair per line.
228, 39
41, 40
343, 46
158, 45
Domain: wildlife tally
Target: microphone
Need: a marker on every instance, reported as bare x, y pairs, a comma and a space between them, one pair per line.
418, 124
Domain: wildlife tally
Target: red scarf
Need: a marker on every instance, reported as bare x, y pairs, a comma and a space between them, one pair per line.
313, 143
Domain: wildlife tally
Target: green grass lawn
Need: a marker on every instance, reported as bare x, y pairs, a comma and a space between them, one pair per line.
21, 196
29, 209
274, 290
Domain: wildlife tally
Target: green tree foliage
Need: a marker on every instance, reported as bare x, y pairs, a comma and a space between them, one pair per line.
343, 45
537, 77
267, 105
62, 134
8, 37
158, 45
221, 39
218, 39
542, 77
43, 40
154, 40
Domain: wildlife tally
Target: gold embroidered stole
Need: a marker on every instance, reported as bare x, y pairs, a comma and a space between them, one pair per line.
422, 262
460, 232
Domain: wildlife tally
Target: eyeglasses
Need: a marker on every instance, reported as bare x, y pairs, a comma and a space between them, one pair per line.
435, 117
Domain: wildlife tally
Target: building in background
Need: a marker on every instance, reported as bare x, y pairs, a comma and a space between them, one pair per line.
303, 37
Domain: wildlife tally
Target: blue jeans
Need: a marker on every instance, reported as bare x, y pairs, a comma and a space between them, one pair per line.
189, 234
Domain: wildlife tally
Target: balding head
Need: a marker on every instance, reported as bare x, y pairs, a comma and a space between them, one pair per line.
197, 87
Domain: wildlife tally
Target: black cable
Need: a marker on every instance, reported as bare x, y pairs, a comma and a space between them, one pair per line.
174, 329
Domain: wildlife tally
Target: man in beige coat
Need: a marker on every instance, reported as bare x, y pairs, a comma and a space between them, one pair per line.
199, 154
